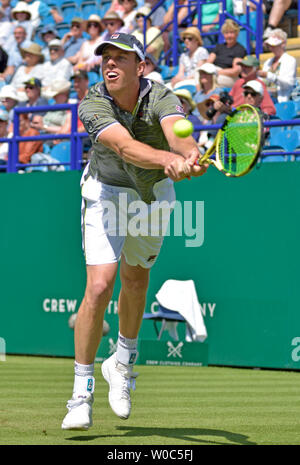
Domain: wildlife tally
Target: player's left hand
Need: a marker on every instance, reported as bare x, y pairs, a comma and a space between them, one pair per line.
191, 168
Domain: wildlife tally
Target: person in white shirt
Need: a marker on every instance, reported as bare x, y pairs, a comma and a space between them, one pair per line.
57, 67
280, 70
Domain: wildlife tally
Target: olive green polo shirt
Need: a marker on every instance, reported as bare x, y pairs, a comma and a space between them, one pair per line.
98, 111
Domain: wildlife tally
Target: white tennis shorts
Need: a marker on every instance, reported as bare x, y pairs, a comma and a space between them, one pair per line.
116, 221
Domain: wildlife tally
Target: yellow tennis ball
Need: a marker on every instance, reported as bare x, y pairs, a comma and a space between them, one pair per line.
183, 128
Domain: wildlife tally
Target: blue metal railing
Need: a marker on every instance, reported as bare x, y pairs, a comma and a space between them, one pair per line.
75, 138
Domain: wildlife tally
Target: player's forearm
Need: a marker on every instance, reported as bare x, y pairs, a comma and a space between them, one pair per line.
144, 156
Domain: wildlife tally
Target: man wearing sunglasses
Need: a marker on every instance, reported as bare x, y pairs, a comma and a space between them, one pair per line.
73, 39
249, 72
33, 94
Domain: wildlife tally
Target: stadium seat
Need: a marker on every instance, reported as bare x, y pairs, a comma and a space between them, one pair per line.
69, 10
165, 316
62, 29
285, 110
281, 157
89, 7
62, 152
93, 78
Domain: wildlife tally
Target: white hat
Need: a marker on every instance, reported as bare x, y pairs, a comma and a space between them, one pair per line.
276, 37
256, 86
55, 43
9, 92
208, 68
21, 7
57, 87
144, 10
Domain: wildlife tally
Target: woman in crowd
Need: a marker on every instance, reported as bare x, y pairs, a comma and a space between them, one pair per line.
32, 67
226, 56
154, 40
85, 58
280, 70
194, 56
207, 82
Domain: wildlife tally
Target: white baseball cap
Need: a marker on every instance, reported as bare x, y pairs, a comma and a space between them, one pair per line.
276, 37
256, 86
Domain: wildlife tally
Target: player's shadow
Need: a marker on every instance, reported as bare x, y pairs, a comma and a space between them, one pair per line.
218, 437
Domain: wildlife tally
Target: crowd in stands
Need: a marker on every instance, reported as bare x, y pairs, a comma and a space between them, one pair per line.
39, 65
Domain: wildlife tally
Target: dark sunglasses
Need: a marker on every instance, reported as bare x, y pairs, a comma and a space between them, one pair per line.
139, 16
93, 24
248, 92
110, 23
54, 49
77, 26
29, 87
188, 38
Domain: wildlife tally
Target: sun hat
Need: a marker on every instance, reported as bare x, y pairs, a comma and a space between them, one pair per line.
194, 32
57, 87
77, 19
143, 10
34, 49
21, 7
112, 15
250, 61
123, 41
93, 19
208, 68
9, 91
255, 85
80, 73
186, 95
55, 43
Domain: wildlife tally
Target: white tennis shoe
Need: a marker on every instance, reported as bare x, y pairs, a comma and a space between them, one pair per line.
79, 416
120, 379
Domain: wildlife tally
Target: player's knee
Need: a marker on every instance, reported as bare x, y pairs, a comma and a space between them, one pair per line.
99, 292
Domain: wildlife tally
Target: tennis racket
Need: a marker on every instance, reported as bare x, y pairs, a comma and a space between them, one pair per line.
238, 142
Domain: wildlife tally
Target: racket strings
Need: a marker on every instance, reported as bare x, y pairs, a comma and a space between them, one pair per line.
240, 142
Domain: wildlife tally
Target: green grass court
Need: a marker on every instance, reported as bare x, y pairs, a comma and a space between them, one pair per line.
171, 406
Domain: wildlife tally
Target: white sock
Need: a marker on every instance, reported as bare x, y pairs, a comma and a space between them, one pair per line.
84, 381
126, 350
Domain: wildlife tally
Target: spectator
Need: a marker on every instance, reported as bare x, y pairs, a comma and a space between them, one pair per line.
249, 72
210, 21
33, 93
280, 70
189, 106
158, 16
275, 15
152, 69
6, 28
5, 5
47, 34
128, 14
226, 56
112, 22
29, 147
169, 20
57, 121
73, 39
13, 49
9, 99
194, 57
4, 121
81, 87
207, 82
81, 84
58, 67
40, 10
33, 59
154, 41
85, 58
3, 60
21, 16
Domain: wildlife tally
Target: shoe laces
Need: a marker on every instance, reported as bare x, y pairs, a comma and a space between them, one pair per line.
79, 400
127, 379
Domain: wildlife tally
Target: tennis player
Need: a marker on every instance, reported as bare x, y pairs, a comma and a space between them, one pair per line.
136, 158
